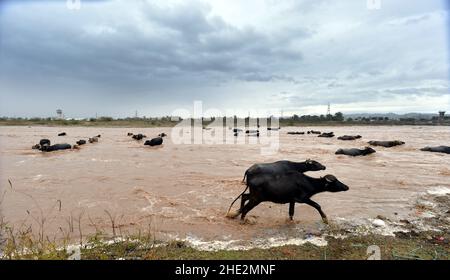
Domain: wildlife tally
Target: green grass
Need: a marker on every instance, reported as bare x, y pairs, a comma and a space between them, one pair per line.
412, 246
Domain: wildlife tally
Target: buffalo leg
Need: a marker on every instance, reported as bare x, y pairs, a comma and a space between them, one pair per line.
249, 206
318, 208
291, 210
244, 198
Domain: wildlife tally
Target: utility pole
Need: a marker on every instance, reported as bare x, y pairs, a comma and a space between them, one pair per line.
328, 110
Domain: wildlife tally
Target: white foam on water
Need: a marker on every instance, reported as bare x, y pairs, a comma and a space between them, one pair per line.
439, 191
242, 245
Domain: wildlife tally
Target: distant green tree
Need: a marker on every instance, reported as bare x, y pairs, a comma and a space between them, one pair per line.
338, 117
106, 119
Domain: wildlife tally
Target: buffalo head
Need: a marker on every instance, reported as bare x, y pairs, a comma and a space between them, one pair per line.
332, 184
314, 165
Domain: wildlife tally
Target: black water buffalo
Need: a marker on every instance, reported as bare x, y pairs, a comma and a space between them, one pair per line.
349, 137
327, 134
355, 152
154, 142
274, 128
62, 134
237, 130
386, 144
438, 149
282, 166
93, 139
295, 133
44, 142
254, 134
55, 147
313, 132
251, 131
129, 134
291, 187
81, 142
139, 136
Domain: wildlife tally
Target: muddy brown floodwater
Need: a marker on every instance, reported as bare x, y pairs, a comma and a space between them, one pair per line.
185, 190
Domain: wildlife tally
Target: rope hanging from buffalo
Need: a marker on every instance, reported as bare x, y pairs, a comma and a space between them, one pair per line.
238, 195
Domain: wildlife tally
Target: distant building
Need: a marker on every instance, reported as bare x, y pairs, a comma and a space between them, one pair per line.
441, 116
59, 114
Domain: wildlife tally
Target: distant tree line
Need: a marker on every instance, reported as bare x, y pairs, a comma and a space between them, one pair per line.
338, 117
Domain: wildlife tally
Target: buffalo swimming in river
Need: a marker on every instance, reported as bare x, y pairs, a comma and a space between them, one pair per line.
327, 134
349, 137
355, 152
138, 136
438, 149
386, 144
81, 142
154, 142
93, 139
56, 147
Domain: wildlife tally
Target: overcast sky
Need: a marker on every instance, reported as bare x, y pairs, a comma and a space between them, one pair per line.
115, 57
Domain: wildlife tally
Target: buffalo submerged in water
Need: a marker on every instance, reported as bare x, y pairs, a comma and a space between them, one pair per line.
438, 149
386, 144
355, 152
349, 137
55, 147
327, 135
139, 136
154, 142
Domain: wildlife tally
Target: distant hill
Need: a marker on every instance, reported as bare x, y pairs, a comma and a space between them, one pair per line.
392, 116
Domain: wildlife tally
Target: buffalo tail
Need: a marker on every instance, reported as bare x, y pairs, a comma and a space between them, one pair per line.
232, 203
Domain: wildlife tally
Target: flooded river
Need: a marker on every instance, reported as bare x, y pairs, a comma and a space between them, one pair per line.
185, 190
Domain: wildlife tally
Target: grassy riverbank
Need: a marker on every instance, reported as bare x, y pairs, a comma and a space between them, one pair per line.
410, 246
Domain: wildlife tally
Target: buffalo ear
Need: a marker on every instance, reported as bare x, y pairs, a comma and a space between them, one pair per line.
329, 179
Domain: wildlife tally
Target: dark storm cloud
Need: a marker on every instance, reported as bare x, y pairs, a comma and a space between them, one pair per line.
190, 42
152, 54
